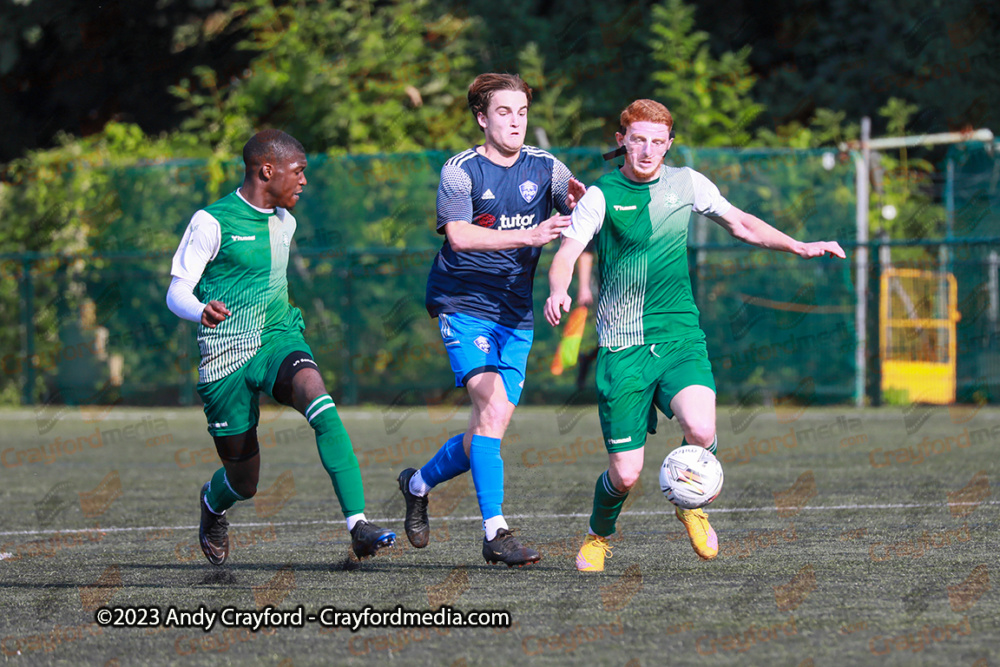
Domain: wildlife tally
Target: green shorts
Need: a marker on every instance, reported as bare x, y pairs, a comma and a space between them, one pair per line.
231, 404
633, 382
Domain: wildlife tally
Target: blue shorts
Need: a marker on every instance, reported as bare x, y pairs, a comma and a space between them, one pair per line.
477, 346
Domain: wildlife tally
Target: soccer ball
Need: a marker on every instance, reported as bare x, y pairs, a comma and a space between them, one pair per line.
691, 477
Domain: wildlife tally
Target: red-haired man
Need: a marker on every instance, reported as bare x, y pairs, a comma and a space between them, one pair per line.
652, 349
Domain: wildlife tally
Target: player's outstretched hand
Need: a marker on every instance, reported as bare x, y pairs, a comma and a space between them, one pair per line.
549, 230
555, 306
214, 313
822, 248
576, 192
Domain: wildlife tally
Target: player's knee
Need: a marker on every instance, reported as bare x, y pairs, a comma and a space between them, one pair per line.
245, 488
701, 435
494, 416
624, 479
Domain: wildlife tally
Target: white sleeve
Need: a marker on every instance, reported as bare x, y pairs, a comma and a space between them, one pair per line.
707, 198
199, 246
181, 299
587, 217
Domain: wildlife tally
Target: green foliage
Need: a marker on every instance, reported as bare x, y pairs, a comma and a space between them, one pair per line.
69, 203
56, 200
356, 76
708, 96
852, 57
560, 116
906, 184
60, 58
596, 50
897, 113
900, 182
75, 65
826, 128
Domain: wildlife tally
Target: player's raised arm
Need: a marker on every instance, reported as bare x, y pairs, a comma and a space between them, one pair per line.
751, 229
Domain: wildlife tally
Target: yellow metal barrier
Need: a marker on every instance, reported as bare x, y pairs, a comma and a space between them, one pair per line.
917, 337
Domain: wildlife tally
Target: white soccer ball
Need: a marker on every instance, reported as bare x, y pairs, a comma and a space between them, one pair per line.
691, 477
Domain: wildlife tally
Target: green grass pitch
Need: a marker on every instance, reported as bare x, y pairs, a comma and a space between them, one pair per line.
846, 537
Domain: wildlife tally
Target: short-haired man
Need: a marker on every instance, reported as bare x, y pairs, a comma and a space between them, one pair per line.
652, 349
493, 206
234, 256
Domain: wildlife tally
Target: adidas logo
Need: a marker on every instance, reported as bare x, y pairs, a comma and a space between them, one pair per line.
488, 194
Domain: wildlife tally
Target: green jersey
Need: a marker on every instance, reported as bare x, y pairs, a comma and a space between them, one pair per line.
237, 254
641, 230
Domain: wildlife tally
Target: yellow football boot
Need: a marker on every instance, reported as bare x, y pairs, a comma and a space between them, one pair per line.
591, 557
703, 537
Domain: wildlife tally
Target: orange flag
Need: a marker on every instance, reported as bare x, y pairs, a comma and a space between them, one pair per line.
569, 347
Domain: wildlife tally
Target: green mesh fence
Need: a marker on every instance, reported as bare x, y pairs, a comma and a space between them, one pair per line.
92, 326
777, 325
973, 197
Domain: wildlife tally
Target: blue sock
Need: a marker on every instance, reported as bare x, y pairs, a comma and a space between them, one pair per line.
450, 461
487, 474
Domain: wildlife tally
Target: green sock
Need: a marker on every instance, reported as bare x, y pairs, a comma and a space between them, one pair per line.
608, 503
337, 455
712, 448
221, 496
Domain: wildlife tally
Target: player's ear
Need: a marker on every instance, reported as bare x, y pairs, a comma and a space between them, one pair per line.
481, 119
266, 171
620, 138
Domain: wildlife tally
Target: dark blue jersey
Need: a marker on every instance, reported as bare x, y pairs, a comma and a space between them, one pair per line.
494, 285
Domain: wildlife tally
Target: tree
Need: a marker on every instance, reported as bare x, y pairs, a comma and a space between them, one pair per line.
709, 96
560, 117
357, 76
853, 56
905, 184
64, 205
70, 66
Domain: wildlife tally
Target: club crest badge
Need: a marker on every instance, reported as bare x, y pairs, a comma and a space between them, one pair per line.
528, 190
672, 198
482, 344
